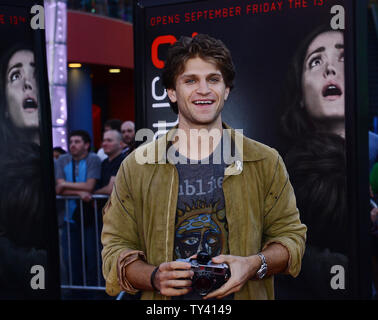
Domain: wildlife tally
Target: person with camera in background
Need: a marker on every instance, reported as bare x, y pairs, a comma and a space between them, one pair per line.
180, 197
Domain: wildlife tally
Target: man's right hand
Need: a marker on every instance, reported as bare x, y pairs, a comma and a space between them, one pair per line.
173, 278
85, 196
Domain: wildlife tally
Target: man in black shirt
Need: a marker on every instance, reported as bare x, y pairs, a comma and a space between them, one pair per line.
112, 144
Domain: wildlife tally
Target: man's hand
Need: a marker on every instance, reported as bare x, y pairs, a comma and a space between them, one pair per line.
173, 278
59, 187
85, 196
242, 269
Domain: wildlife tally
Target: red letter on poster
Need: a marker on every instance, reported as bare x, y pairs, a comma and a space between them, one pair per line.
155, 49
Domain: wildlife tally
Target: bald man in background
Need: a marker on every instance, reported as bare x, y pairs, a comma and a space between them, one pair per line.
113, 147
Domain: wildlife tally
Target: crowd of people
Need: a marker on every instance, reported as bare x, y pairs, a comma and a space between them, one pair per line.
83, 173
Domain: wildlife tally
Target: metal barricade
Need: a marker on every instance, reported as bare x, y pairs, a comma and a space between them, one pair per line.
68, 244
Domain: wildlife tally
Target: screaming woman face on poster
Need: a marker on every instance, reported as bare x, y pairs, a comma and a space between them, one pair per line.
314, 124
22, 242
315, 100
20, 99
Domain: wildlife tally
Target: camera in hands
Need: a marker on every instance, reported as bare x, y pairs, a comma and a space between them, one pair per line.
208, 276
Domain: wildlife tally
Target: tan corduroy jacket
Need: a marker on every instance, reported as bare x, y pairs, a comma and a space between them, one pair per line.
260, 209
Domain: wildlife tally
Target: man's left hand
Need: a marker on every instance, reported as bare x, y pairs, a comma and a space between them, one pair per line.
85, 196
242, 269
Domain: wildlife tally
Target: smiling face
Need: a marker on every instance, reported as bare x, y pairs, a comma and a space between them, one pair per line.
323, 77
200, 93
21, 90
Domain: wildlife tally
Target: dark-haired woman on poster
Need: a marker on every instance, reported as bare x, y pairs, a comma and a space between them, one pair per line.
22, 221
314, 125
19, 100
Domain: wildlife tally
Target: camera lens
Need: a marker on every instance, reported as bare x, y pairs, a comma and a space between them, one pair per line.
203, 257
203, 284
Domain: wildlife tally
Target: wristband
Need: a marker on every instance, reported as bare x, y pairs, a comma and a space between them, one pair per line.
152, 279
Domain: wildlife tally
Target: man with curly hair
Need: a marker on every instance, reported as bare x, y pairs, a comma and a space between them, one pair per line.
185, 198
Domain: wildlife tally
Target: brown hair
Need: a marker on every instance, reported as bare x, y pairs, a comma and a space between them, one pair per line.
202, 46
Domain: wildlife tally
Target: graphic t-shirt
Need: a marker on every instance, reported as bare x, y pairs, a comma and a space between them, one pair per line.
201, 223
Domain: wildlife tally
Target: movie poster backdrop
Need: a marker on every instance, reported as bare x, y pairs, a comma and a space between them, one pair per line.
28, 232
291, 92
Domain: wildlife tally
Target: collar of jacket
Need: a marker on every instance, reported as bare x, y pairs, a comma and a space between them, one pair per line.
246, 149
